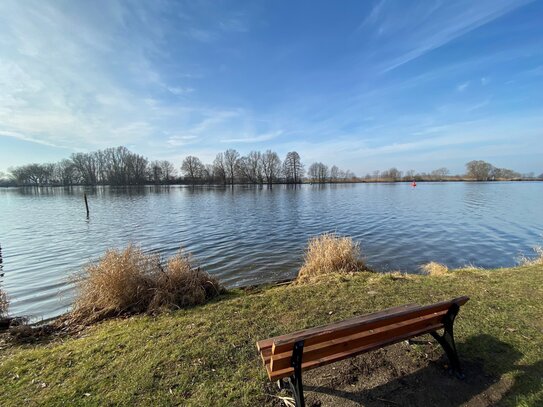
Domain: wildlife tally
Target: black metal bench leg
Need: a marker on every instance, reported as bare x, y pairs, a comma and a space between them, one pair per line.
295, 381
447, 341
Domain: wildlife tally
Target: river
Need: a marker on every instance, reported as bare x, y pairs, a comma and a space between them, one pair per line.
249, 235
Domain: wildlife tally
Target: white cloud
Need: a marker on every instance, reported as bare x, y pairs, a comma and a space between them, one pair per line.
177, 90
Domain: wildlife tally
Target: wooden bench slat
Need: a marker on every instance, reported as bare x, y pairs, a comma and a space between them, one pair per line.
353, 352
324, 333
266, 353
268, 343
352, 342
264, 344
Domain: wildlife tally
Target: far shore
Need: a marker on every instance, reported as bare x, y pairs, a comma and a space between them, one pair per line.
305, 182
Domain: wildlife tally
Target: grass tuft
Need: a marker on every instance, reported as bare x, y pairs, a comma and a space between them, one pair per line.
435, 269
330, 253
129, 282
533, 261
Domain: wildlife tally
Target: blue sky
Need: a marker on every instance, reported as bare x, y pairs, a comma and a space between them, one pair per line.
364, 85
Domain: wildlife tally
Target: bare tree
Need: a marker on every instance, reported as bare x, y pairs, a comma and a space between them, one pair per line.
409, 175
392, 174
155, 172
208, 173
231, 158
271, 166
293, 168
505, 173
85, 163
334, 173
65, 172
250, 167
192, 167
349, 175
219, 167
168, 170
318, 172
439, 174
478, 169
312, 171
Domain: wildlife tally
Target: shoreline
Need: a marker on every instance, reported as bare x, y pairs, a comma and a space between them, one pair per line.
361, 181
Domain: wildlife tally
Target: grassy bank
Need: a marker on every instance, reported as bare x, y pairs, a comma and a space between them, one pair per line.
206, 356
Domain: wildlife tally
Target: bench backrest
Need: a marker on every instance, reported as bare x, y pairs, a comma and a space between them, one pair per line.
340, 340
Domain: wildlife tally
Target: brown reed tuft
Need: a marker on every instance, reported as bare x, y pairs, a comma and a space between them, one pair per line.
533, 261
4, 303
128, 281
435, 269
330, 253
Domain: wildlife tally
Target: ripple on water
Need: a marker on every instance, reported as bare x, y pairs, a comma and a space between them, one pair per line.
251, 235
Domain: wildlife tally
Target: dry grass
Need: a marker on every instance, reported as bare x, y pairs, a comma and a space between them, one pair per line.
471, 267
4, 303
533, 261
435, 269
182, 284
330, 253
130, 281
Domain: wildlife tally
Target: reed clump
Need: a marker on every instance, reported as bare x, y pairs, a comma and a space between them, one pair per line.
4, 303
125, 282
533, 261
330, 253
435, 269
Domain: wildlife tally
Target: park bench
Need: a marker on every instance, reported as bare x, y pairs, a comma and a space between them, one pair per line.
286, 356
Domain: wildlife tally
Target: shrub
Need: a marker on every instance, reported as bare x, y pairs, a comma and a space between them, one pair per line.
129, 282
330, 253
435, 269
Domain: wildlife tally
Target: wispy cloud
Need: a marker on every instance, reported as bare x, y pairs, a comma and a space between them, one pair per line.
254, 139
373, 15
421, 29
177, 90
462, 86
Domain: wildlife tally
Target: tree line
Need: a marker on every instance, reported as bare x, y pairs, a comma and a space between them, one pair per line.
120, 166
476, 170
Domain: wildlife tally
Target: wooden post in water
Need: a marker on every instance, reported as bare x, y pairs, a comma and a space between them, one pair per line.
86, 203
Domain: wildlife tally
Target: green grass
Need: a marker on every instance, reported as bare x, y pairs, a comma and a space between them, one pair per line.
206, 355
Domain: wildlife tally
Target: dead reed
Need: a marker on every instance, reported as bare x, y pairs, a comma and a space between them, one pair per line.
128, 281
330, 253
4, 303
533, 261
435, 269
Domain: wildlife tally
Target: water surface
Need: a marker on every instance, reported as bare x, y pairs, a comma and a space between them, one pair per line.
249, 235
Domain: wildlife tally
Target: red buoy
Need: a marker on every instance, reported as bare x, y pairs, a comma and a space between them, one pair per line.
413, 184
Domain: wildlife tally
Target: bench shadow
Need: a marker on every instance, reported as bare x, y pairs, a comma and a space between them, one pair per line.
432, 384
